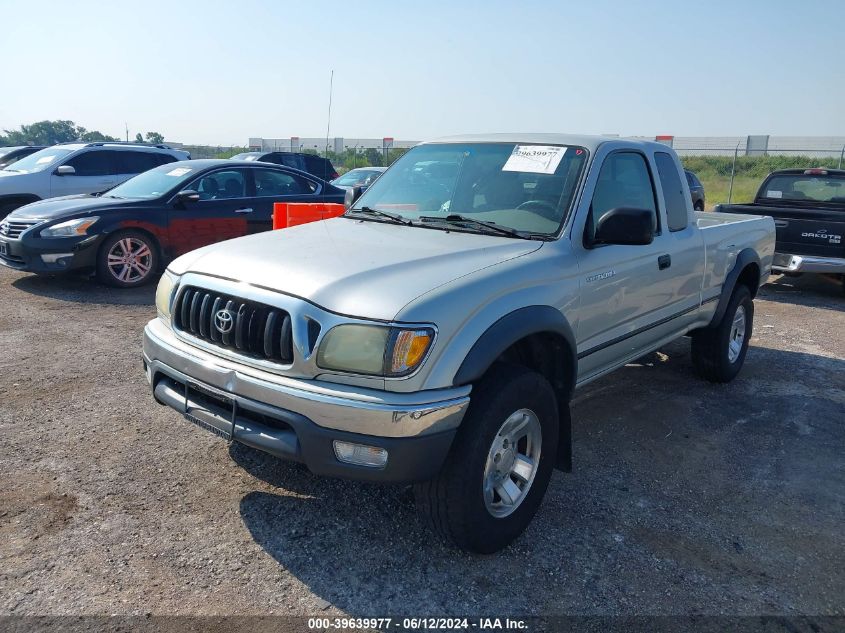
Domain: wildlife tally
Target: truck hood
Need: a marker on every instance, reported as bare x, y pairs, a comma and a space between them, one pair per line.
352, 267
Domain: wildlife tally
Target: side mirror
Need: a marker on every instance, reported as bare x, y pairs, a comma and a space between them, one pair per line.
352, 195
187, 195
65, 170
625, 225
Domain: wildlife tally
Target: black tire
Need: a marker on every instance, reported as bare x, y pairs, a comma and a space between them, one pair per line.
146, 259
699, 206
453, 503
711, 351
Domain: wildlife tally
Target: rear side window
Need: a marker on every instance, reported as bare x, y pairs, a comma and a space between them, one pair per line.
137, 162
164, 159
270, 183
673, 191
94, 163
624, 181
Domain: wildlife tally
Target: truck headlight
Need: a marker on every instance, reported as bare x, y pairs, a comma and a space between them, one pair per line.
164, 294
374, 349
71, 228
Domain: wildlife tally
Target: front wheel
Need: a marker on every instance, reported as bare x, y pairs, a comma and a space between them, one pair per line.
499, 465
719, 352
127, 259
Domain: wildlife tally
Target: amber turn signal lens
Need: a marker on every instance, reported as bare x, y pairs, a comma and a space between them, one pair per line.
409, 349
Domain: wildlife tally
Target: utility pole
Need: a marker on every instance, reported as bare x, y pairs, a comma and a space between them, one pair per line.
126, 125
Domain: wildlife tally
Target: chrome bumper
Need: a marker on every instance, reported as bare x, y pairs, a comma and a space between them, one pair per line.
328, 405
785, 263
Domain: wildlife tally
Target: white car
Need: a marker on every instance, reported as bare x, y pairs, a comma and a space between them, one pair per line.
78, 168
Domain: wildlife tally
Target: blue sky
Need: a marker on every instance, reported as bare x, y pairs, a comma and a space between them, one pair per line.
214, 71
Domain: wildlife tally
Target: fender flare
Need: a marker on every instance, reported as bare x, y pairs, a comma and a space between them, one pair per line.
508, 330
746, 257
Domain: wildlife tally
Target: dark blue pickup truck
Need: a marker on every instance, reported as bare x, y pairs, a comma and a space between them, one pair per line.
808, 206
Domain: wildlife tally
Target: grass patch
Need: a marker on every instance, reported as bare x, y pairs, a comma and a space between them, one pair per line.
715, 173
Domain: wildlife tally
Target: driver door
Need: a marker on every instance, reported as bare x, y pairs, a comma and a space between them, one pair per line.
222, 212
96, 171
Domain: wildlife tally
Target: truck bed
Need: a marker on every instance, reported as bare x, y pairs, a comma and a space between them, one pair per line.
811, 230
721, 245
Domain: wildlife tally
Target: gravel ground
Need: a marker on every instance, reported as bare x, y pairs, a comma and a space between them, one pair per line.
687, 498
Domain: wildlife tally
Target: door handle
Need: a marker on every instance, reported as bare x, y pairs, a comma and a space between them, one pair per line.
664, 261
244, 210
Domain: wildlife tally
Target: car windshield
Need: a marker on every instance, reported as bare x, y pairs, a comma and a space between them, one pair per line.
807, 187
357, 177
525, 187
39, 161
6, 150
153, 183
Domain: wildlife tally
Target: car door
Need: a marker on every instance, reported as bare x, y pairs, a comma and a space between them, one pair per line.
95, 170
221, 213
278, 185
628, 292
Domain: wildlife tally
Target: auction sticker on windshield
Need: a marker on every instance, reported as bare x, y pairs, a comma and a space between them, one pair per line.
538, 159
179, 171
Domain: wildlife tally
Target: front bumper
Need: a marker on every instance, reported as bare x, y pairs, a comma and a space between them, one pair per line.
300, 419
50, 256
786, 263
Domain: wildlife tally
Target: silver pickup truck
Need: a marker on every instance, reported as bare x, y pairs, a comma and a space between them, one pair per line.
435, 333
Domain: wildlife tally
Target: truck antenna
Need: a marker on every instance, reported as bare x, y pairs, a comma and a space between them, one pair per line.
328, 127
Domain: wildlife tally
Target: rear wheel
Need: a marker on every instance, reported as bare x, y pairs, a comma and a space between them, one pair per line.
499, 466
719, 352
699, 206
127, 259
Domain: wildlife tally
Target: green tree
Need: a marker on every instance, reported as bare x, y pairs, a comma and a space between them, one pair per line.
139, 138
50, 133
375, 157
155, 138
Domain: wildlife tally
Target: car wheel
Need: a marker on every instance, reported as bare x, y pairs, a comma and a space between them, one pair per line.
127, 259
699, 206
500, 463
718, 353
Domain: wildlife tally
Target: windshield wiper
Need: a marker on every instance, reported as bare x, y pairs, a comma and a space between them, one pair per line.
455, 218
395, 217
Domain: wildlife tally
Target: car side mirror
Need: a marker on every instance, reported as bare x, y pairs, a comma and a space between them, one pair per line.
65, 170
625, 225
352, 195
187, 195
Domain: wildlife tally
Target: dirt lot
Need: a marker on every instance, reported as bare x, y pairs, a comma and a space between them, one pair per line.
687, 498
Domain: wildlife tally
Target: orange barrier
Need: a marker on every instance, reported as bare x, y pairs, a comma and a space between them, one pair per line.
287, 214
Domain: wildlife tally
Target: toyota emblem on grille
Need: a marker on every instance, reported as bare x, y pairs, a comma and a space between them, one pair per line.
223, 321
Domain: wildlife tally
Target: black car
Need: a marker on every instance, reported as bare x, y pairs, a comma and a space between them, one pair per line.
9, 155
317, 165
127, 233
696, 190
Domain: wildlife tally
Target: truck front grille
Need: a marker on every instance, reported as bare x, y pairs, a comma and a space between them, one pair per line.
249, 328
13, 228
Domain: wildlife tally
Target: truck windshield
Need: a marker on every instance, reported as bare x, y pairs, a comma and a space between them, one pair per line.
525, 187
806, 187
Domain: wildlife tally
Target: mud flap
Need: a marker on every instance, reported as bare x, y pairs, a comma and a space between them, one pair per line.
564, 442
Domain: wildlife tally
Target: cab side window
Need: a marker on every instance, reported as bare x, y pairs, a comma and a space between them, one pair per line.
624, 181
94, 163
673, 191
278, 183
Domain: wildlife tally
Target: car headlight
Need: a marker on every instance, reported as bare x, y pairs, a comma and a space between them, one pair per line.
164, 294
71, 228
374, 349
